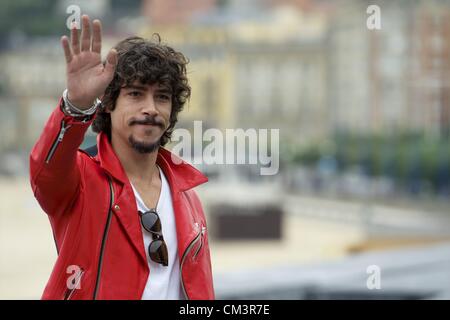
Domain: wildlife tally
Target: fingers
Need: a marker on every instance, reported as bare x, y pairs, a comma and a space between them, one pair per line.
97, 36
111, 61
88, 39
85, 34
74, 39
66, 48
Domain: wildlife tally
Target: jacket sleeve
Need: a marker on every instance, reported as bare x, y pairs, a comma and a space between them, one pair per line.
55, 165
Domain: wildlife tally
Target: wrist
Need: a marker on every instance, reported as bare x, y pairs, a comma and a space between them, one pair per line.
81, 104
71, 109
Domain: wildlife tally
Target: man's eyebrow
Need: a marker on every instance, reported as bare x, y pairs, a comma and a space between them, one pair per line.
134, 87
164, 90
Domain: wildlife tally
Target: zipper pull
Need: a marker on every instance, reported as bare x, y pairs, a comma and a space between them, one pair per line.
57, 141
63, 131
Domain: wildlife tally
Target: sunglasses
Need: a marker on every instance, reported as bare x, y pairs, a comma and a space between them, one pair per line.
157, 249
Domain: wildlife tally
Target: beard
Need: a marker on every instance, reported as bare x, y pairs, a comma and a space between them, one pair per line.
144, 147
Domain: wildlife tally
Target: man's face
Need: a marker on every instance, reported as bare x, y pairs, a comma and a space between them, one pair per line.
141, 115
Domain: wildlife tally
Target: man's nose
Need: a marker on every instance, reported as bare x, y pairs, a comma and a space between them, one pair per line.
149, 106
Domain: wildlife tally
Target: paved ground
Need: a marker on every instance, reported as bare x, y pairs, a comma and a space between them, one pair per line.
421, 272
27, 250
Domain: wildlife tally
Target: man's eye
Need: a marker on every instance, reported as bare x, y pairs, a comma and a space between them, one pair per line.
164, 97
134, 93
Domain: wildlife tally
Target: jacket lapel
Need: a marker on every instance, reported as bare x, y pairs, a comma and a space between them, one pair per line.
181, 177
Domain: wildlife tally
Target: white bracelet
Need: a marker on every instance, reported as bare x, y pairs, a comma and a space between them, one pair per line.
72, 110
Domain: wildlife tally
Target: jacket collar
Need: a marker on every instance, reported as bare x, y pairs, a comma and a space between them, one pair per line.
181, 175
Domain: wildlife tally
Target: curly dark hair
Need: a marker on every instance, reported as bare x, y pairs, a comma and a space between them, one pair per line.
148, 62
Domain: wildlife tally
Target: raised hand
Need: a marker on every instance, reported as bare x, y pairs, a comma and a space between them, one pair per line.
87, 78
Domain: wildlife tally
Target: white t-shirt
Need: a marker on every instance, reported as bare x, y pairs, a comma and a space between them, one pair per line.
163, 283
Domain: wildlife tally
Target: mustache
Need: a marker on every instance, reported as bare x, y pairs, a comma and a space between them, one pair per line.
146, 121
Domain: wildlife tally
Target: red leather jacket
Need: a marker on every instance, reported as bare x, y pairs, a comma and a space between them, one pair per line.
93, 214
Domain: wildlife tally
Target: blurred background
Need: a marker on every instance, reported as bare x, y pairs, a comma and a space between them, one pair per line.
364, 119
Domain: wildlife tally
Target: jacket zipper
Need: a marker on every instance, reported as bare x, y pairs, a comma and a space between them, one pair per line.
201, 243
56, 243
105, 236
57, 141
69, 292
185, 254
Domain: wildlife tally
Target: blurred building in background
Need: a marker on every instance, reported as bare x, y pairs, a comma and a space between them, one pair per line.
310, 68
160, 12
396, 78
364, 120
256, 66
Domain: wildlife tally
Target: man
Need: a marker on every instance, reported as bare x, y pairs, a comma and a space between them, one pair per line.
126, 221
